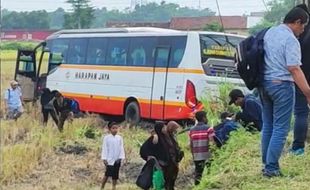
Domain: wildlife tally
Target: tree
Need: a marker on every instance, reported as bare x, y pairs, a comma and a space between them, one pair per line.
277, 10
57, 18
275, 15
82, 15
260, 26
214, 26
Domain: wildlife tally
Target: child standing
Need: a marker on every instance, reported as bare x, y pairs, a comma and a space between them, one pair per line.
112, 154
200, 135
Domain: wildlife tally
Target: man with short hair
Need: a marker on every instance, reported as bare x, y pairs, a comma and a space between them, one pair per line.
13, 101
200, 136
251, 108
277, 93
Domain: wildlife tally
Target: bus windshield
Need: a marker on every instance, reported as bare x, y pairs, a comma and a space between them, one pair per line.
217, 54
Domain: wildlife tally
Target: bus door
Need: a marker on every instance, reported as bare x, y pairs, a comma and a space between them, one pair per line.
42, 70
160, 71
25, 73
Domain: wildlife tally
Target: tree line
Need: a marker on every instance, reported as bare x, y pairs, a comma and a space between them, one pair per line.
83, 15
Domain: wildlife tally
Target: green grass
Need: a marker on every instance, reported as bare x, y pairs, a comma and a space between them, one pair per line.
238, 166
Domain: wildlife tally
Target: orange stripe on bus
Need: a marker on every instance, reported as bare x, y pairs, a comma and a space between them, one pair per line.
115, 98
141, 69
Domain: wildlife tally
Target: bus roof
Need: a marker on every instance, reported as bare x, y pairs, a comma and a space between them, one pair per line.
115, 30
129, 30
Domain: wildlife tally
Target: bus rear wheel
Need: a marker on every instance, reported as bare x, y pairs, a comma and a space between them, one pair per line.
132, 113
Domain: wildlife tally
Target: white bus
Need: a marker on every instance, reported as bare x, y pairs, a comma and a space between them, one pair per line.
148, 73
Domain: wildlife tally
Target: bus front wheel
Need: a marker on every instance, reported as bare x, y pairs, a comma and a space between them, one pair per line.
132, 113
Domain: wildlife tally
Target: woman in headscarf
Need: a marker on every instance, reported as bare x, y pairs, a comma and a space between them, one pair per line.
163, 146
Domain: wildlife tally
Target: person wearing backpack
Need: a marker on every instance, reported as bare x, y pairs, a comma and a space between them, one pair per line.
200, 136
251, 109
301, 109
13, 101
277, 91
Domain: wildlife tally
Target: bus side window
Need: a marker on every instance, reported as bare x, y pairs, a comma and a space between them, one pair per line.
58, 52
117, 51
234, 41
141, 51
177, 50
162, 57
77, 51
96, 52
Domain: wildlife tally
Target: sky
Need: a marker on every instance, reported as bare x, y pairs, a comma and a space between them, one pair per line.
227, 7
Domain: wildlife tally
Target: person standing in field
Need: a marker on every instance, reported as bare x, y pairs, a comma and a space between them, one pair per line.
112, 154
200, 136
13, 101
47, 99
163, 146
277, 93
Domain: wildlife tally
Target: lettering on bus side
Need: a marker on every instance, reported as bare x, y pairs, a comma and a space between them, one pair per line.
92, 76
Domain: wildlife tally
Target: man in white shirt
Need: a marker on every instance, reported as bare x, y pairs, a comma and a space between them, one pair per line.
112, 154
13, 101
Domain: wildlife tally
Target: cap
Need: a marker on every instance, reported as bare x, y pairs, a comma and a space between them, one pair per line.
234, 95
14, 82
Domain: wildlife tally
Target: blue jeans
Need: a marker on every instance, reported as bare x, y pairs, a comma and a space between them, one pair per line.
278, 100
301, 113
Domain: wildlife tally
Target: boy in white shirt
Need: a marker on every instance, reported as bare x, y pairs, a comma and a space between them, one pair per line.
112, 154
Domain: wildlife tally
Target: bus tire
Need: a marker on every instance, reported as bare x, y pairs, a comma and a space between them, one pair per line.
132, 113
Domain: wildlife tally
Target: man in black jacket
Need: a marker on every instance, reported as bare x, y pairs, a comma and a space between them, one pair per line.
47, 99
301, 110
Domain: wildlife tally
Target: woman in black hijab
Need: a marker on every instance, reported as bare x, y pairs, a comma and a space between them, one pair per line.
165, 149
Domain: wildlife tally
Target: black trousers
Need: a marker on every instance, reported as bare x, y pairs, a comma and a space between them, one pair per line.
52, 112
170, 174
199, 167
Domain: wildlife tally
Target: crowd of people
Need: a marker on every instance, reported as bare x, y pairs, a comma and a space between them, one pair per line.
284, 91
52, 103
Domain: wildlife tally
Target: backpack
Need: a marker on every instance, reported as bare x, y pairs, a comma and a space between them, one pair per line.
250, 59
75, 106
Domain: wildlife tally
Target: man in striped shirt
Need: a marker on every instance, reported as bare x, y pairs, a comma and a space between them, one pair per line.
200, 135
